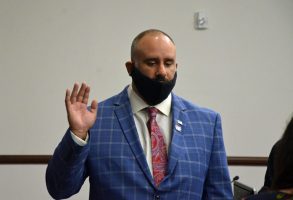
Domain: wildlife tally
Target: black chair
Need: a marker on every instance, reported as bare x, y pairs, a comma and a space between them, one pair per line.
241, 190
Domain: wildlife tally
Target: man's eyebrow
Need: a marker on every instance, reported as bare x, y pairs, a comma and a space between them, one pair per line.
151, 59
170, 59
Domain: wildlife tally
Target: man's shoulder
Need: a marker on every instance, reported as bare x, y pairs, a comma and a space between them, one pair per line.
190, 106
118, 99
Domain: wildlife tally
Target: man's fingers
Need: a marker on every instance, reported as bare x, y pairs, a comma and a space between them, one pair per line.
67, 97
78, 95
86, 95
94, 106
81, 92
74, 93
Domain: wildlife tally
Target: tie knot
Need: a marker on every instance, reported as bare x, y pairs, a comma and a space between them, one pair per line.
152, 112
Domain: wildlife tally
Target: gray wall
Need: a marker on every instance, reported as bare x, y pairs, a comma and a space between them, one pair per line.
241, 66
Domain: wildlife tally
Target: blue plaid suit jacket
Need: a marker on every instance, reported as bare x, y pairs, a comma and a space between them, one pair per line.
116, 166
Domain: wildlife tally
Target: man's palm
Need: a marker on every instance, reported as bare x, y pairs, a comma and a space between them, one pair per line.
80, 118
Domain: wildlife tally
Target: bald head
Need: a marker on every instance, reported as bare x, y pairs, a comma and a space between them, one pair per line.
150, 32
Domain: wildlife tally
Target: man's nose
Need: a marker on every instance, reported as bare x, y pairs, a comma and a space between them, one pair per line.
161, 71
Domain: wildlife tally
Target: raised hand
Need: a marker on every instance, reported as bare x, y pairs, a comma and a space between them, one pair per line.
80, 119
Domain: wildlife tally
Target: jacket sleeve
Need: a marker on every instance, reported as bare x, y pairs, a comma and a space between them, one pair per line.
218, 183
66, 171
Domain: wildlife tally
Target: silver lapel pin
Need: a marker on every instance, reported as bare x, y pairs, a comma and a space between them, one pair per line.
178, 125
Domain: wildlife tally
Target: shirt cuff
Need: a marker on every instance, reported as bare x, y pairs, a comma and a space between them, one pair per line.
79, 141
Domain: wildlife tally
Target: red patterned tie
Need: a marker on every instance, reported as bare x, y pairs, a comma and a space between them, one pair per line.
159, 150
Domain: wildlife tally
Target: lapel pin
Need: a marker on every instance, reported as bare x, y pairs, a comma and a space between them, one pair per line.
178, 128
178, 125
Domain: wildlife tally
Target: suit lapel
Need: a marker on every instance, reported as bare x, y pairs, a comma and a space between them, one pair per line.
125, 117
178, 127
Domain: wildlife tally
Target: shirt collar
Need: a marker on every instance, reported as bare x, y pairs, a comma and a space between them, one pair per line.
138, 104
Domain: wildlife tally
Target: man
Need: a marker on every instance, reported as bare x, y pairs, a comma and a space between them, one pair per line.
144, 143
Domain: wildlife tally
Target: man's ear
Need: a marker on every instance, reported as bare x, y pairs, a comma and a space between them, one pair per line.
129, 66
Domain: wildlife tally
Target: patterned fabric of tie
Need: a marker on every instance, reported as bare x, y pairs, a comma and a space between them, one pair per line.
159, 150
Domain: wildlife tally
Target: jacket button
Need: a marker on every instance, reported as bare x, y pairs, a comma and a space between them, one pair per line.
156, 197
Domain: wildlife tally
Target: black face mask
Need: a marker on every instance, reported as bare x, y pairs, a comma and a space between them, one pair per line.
153, 91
